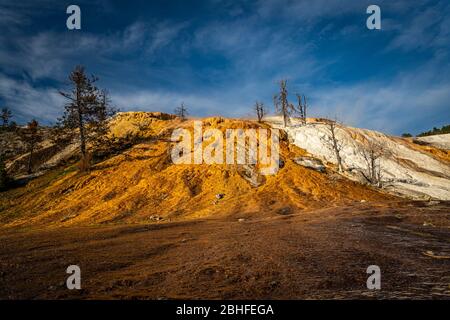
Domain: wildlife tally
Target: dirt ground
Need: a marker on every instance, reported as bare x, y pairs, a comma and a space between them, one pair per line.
320, 254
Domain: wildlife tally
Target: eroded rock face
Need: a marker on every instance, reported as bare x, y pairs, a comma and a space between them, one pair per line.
141, 183
441, 141
251, 174
406, 168
311, 163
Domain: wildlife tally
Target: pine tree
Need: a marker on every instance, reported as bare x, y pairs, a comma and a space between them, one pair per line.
100, 127
31, 136
87, 110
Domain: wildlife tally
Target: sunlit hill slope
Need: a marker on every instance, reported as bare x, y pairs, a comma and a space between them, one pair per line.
142, 184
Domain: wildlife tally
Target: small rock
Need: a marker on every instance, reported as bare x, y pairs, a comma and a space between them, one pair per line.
311, 163
220, 196
362, 201
273, 284
249, 173
241, 219
284, 211
284, 136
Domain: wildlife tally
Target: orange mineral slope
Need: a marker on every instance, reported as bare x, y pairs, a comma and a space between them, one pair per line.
142, 184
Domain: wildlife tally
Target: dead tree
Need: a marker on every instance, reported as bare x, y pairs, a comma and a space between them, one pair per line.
5, 116
334, 144
282, 104
372, 154
260, 110
181, 111
301, 107
287, 109
32, 137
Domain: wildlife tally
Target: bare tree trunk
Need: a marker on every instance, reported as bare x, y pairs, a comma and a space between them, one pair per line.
301, 108
373, 165
82, 136
336, 149
282, 104
304, 109
372, 157
81, 126
335, 145
30, 158
181, 111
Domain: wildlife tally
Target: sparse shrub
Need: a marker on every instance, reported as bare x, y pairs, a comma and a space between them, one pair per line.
443, 130
406, 135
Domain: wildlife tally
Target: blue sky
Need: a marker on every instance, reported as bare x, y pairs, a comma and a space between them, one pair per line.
220, 56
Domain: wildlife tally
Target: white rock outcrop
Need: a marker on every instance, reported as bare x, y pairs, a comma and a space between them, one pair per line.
405, 170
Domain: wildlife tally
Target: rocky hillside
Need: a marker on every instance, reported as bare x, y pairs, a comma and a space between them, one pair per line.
441, 141
141, 184
415, 168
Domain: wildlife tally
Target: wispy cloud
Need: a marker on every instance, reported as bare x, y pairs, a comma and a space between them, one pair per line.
28, 102
222, 55
51, 54
388, 106
429, 28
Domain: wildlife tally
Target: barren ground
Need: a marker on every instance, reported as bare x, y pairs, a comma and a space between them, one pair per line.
307, 254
